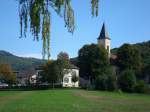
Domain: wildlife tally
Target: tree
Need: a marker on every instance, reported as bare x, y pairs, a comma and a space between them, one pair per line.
63, 56
93, 61
38, 13
63, 63
129, 57
112, 83
127, 80
50, 73
6, 74
101, 82
63, 66
144, 49
141, 87
106, 81
75, 78
146, 73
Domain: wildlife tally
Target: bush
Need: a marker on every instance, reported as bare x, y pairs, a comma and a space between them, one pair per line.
127, 81
111, 83
101, 82
106, 82
141, 87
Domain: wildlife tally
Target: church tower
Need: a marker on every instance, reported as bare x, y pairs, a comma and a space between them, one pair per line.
104, 39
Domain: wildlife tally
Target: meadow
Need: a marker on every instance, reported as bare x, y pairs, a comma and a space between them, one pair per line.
72, 100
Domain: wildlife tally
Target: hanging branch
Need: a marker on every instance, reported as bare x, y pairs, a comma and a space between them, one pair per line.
37, 13
95, 7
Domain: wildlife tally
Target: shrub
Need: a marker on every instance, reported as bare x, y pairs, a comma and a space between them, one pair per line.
127, 80
106, 82
101, 82
141, 87
111, 83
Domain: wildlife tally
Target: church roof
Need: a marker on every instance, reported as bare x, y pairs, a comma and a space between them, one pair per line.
103, 33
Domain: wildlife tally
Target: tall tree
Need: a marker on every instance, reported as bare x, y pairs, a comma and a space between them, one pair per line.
63, 63
129, 57
50, 73
93, 61
38, 13
146, 73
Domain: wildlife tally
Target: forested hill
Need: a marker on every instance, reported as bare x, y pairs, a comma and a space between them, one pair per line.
19, 63
144, 49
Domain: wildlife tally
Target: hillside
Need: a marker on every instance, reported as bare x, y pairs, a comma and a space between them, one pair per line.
19, 63
144, 48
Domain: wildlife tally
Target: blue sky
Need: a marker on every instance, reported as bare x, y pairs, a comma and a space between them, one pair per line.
127, 21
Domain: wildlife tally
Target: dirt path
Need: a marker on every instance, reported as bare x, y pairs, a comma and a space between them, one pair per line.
97, 98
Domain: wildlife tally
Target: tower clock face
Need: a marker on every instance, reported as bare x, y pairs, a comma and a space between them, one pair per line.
66, 79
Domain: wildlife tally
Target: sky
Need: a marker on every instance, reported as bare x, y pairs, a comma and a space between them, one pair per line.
127, 21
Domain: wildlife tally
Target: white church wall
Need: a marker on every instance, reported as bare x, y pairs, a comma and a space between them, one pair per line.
105, 43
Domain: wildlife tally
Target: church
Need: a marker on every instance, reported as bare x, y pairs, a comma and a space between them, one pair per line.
104, 39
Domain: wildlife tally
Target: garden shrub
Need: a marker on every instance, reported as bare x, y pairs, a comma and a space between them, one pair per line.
127, 81
141, 87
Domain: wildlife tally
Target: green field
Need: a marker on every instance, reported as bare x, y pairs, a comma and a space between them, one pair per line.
72, 101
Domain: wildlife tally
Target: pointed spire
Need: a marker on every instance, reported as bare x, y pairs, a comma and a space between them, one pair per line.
104, 33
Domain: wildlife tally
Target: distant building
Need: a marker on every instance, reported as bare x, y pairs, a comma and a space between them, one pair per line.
104, 40
23, 77
67, 79
34, 77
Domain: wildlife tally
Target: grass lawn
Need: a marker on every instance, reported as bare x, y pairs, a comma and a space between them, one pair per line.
71, 100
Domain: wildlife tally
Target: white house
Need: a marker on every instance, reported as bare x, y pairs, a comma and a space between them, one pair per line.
33, 78
68, 76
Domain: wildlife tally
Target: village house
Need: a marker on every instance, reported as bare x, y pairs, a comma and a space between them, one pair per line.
67, 79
